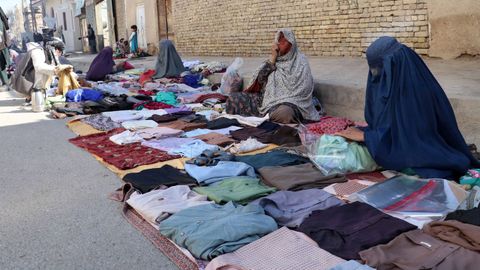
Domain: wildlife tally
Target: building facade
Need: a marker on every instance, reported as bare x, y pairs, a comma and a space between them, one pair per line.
67, 25
438, 28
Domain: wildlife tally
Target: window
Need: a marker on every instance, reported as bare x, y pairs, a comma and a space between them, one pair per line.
53, 13
64, 21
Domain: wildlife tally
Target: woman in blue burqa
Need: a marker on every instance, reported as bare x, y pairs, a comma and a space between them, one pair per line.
411, 124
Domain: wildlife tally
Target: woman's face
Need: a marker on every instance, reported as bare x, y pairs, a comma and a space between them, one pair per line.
283, 45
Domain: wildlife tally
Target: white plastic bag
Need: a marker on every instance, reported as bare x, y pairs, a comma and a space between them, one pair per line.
232, 81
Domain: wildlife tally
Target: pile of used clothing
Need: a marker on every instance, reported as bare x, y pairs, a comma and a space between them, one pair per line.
222, 191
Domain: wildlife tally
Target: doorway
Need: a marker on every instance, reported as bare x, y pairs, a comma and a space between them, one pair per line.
103, 25
142, 41
165, 19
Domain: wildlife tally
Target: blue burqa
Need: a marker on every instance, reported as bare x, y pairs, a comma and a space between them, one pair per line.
411, 124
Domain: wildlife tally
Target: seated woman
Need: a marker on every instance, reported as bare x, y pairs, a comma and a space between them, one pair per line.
281, 87
103, 65
169, 63
411, 124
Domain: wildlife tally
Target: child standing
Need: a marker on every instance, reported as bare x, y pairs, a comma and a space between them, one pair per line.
133, 40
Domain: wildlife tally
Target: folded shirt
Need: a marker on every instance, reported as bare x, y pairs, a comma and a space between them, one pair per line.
158, 204
201, 131
240, 189
206, 175
159, 132
149, 179
139, 124
126, 137
298, 177
282, 249
290, 208
210, 230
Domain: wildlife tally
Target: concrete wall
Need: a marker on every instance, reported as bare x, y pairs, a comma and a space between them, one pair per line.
322, 27
455, 27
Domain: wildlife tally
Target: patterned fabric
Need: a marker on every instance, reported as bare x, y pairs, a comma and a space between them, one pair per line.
151, 105
123, 157
204, 97
245, 104
329, 125
282, 249
100, 122
291, 82
343, 190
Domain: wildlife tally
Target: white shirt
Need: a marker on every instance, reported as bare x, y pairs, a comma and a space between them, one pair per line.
156, 205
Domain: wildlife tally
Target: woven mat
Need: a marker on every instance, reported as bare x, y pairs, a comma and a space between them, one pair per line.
81, 129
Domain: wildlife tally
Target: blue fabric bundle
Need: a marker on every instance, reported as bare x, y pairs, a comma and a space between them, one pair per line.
78, 95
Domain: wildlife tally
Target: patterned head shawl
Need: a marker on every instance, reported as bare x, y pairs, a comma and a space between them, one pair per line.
291, 82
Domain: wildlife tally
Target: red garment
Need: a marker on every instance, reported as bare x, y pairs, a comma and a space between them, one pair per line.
146, 76
329, 125
152, 105
123, 157
202, 98
146, 92
127, 65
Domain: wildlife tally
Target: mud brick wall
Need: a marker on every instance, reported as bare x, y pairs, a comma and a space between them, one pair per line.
322, 27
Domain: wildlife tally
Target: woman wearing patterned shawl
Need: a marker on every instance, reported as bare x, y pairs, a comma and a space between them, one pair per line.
282, 87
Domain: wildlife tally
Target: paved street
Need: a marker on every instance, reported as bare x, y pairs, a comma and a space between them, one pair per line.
55, 211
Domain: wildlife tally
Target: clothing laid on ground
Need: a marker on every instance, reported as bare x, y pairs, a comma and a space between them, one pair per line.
100, 122
417, 250
216, 139
246, 146
455, 232
139, 124
183, 125
167, 175
78, 95
272, 158
402, 95
202, 229
126, 137
282, 249
329, 125
240, 189
348, 229
471, 216
200, 131
245, 104
123, 157
298, 177
222, 122
187, 149
157, 205
290, 208
206, 175
351, 265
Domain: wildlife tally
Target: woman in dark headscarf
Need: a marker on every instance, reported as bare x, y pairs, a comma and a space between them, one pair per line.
169, 63
103, 65
411, 124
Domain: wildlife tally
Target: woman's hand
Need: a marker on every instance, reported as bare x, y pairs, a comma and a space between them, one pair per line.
352, 133
275, 49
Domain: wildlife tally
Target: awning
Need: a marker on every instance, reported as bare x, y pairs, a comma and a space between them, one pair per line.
78, 7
